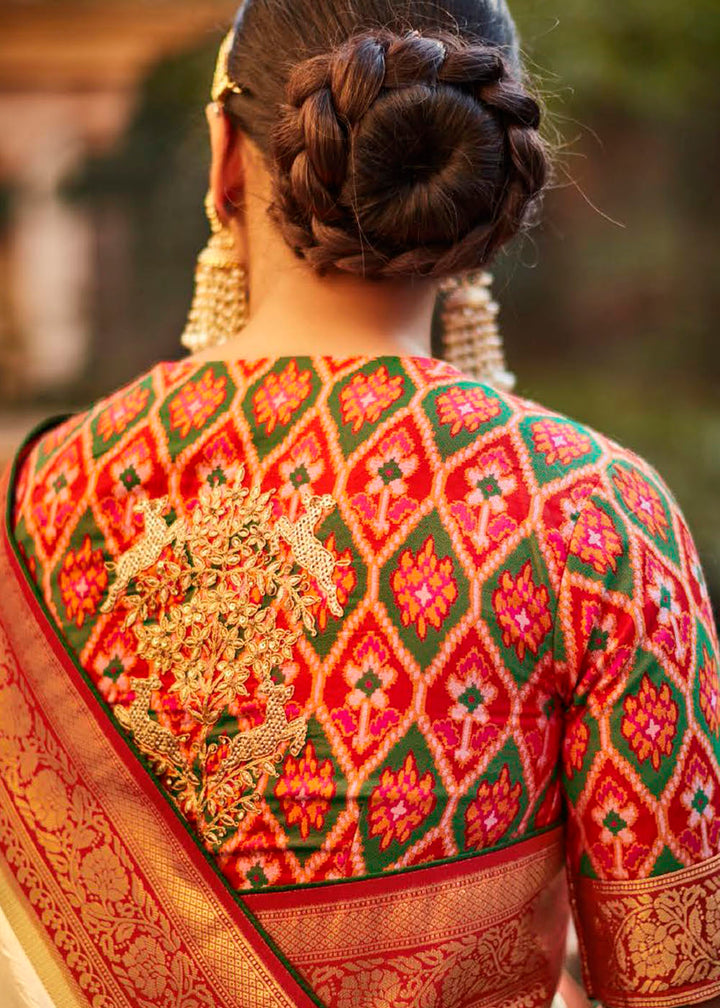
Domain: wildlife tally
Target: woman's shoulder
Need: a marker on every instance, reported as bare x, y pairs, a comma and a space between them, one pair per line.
361, 407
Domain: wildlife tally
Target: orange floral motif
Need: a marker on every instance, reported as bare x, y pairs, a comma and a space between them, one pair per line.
121, 411
466, 408
576, 743
492, 810
196, 402
366, 397
597, 543
400, 802
280, 395
709, 698
305, 791
640, 497
83, 579
560, 442
424, 588
650, 722
522, 611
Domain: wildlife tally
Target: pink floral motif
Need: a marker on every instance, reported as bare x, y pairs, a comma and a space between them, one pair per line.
386, 498
112, 665
466, 408
615, 814
280, 395
596, 541
129, 474
492, 811
400, 803
642, 499
709, 698
257, 872
366, 397
55, 499
369, 676
121, 410
522, 611
473, 692
697, 798
83, 579
220, 464
650, 722
196, 402
491, 482
306, 790
303, 466
672, 631
559, 442
424, 588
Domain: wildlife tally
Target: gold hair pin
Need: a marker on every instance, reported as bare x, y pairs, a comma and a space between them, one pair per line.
223, 85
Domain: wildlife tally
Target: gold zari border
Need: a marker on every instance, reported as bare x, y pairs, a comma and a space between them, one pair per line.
654, 943
486, 933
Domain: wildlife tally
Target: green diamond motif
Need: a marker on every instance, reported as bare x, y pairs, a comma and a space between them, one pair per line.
401, 801
194, 407
462, 412
424, 588
557, 446
366, 398
308, 794
279, 399
120, 414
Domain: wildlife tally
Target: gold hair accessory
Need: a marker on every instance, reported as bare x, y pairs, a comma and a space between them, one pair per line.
219, 308
470, 336
223, 85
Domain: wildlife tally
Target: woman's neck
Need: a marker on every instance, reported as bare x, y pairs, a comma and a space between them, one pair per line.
296, 312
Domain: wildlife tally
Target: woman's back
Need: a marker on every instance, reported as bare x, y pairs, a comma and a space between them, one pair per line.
319, 656
460, 621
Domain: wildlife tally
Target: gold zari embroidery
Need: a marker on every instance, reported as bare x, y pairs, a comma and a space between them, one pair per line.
211, 594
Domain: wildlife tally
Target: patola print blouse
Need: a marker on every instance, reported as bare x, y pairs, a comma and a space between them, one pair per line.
362, 615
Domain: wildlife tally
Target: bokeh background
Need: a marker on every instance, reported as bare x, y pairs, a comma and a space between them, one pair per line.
609, 308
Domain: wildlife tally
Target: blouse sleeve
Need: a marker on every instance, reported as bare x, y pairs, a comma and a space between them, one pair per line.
641, 752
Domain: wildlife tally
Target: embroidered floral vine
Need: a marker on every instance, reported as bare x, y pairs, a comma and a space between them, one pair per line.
218, 598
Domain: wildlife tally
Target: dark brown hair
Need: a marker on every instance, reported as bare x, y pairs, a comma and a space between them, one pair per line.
400, 137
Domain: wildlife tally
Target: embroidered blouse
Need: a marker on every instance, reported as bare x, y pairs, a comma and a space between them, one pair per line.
363, 615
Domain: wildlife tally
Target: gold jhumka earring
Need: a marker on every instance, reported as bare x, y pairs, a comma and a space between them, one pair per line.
471, 340
220, 303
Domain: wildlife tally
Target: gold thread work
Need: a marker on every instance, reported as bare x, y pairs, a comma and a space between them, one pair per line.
216, 598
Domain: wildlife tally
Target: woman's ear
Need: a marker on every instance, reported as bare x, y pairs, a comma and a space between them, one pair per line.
227, 173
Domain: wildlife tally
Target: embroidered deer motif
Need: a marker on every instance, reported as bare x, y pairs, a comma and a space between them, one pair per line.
158, 742
307, 549
146, 551
261, 744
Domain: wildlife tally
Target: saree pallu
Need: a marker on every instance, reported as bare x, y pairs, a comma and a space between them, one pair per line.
112, 904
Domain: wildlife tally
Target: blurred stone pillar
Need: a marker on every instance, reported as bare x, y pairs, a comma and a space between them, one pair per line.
50, 261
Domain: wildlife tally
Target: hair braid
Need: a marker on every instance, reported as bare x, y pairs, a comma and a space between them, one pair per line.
405, 155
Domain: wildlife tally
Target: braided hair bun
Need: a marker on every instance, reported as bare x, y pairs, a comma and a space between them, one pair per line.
405, 155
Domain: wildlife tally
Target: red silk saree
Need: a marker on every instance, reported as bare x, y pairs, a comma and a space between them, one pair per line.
508, 664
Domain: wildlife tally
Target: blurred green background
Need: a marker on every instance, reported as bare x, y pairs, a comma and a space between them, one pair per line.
609, 307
